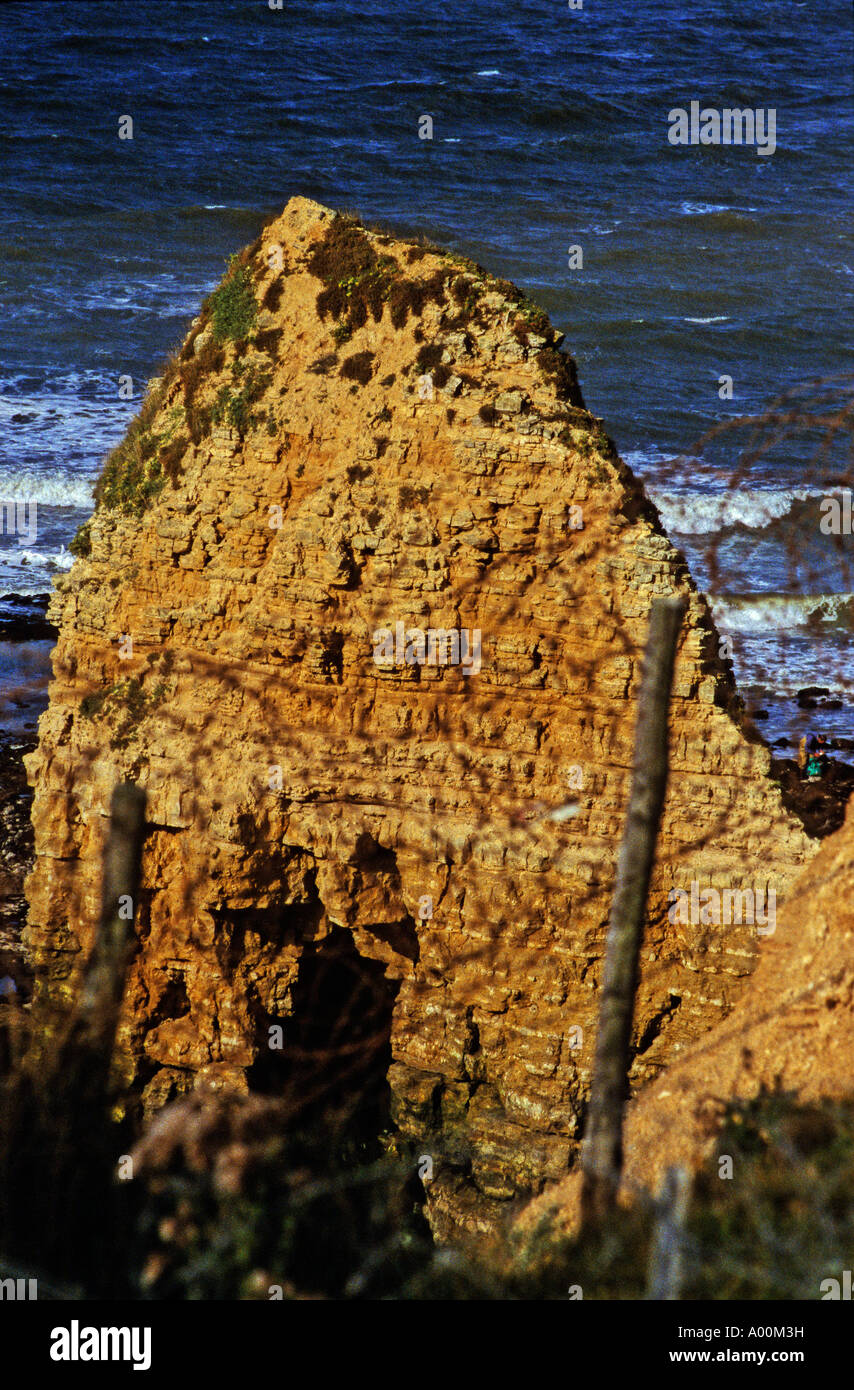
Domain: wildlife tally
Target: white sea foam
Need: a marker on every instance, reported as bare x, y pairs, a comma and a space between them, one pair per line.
692, 514
46, 489
488, 72
25, 585
706, 209
761, 613
716, 318
62, 559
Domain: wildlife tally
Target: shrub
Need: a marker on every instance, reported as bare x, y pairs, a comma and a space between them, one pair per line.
132, 475
171, 455
357, 281
81, 545
534, 318
192, 373
233, 407
412, 296
461, 289
441, 375
232, 307
785, 1221
507, 288
411, 496
560, 369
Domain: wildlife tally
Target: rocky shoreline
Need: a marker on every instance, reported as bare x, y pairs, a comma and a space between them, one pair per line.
819, 805
22, 620
16, 854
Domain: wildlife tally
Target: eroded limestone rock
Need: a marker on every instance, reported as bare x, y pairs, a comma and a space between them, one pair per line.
300, 791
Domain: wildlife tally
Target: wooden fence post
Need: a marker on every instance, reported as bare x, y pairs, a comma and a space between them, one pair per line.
602, 1150
101, 990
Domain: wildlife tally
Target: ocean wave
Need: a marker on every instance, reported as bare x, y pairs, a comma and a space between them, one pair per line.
712, 209
697, 514
716, 318
761, 613
20, 586
60, 424
62, 559
46, 489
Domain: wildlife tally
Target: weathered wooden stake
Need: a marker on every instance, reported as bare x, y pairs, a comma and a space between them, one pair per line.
57, 1162
602, 1152
103, 984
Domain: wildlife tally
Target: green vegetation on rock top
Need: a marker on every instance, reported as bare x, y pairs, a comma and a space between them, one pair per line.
232, 307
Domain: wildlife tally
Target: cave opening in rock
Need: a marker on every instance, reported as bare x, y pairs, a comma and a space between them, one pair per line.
333, 1051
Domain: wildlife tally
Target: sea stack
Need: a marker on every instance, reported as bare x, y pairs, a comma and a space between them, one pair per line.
367, 456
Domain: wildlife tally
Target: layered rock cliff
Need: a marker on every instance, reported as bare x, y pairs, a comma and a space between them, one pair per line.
362, 606
791, 1032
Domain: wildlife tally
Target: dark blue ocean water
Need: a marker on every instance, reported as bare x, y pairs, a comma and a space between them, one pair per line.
549, 130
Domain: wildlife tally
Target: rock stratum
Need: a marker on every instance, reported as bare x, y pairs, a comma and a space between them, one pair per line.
791, 1032
362, 443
